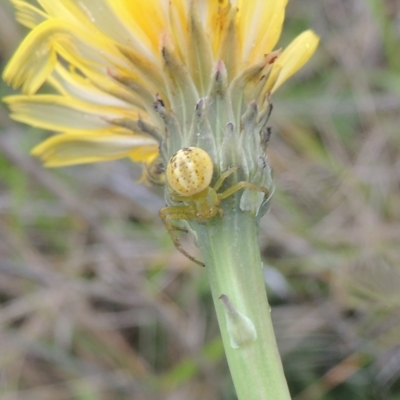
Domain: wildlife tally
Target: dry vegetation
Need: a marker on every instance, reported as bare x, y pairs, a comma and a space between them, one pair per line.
96, 303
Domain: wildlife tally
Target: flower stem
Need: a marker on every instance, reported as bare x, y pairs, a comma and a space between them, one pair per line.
231, 253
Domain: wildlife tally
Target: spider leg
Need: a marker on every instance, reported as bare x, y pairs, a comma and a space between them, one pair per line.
170, 214
174, 227
177, 228
223, 176
242, 185
177, 198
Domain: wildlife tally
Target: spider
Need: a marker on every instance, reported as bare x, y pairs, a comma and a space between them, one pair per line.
189, 173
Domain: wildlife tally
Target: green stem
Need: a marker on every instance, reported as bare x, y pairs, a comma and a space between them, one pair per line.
231, 253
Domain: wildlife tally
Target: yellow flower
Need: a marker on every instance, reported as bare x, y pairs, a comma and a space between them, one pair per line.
123, 76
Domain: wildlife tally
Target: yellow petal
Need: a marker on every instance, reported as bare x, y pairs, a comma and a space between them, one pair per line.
260, 25
199, 57
292, 59
226, 40
28, 15
111, 18
70, 83
36, 57
59, 113
32, 62
54, 9
82, 148
146, 19
144, 154
218, 21
267, 38
178, 25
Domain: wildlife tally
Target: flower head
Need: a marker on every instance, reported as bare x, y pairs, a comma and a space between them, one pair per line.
127, 76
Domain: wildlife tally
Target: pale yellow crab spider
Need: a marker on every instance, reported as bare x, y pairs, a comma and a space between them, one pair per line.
189, 173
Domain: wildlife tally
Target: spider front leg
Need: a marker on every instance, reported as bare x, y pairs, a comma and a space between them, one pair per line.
242, 185
223, 176
174, 213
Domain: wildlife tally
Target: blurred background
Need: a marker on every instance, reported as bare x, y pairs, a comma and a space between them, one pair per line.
97, 304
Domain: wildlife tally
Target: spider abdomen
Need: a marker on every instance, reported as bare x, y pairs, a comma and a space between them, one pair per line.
189, 171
